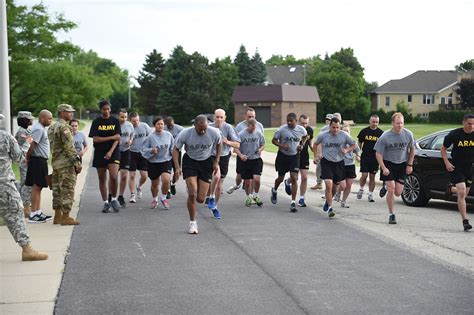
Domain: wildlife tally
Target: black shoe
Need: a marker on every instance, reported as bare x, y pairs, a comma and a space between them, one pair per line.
37, 218
121, 201
46, 217
466, 225
173, 189
383, 191
206, 201
106, 207
293, 207
287, 187
331, 213
168, 195
273, 198
392, 219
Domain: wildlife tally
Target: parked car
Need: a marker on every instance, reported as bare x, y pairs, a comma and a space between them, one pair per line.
429, 178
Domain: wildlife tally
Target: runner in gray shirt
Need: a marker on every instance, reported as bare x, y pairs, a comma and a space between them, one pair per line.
334, 144
395, 152
198, 166
126, 138
141, 130
319, 184
290, 140
175, 129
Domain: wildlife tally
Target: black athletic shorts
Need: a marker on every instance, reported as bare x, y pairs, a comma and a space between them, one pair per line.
37, 172
201, 169
137, 162
304, 161
99, 161
156, 169
287, 163
461, 174
332, 170
369, 164
350, 171
223, 164
125, 160
251, 168
238, 165
179, 161
397, 173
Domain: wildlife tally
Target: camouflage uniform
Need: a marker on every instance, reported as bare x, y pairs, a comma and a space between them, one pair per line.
25, 191
11, 207
64, 159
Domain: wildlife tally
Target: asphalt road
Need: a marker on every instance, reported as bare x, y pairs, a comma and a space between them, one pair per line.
262, 260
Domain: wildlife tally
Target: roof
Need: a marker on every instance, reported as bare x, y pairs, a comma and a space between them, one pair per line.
421, 82
275, 93
279, 75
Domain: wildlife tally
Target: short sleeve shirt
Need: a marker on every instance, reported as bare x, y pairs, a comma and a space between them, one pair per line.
332, 144
139, 134
227, 131
290, 136
394, 147
250, 142
40, 137
367, 138
462, 152
104, 127
198, 147
127, 132
79, 141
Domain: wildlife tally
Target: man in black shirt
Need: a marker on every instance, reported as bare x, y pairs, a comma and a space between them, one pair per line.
462, 159
368, 163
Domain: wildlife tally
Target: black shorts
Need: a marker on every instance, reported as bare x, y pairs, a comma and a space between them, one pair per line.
287, 163
156, 169
37, 172
137, 162
179, 161
369, 164
200, 169
332, 170
251, 168
397, 173
99, 161
223, 164
304, 161
350, 171
125, 160
238, 165
461, 174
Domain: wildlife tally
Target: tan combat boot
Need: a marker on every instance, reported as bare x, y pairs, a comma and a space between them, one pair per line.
29, 254
67, 220
27, 211
57, 217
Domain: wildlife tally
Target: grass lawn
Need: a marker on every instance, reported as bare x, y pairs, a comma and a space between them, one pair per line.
419, 130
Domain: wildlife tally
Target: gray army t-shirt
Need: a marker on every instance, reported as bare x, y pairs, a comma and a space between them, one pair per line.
40, 137
163, 141
291, 136
250, 142
140, 132
243, 125
127, 132
349, 157
332, 144
394, 147
79, 141
175, 130
227, 131
198, 147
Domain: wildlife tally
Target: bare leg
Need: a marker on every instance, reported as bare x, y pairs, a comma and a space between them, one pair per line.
219, 189
202, 188
102, 173
278, 181
347, 190
462, 193
123, 181
248, 187
143, 177
155, 184
165, 183
36, 198
294, 184
131, 182
238, 180
363, 180
191, 184
304, 182
113, 178
390, 195
371, 182
329, 191
256, 183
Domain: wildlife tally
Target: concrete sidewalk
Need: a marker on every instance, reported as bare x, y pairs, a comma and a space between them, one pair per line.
32, 287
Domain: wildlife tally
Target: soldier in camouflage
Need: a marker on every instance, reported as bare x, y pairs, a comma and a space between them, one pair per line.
10, 200
66, 165
23, 136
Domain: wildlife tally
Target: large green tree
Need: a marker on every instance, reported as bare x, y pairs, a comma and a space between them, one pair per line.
466, 65
150, 80
258, 71
244, 66
466, 93
224, 77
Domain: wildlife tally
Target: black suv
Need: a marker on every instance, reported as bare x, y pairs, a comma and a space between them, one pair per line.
429, 178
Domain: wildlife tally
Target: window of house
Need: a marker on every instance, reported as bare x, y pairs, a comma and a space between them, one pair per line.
409, 98
428, 99
443, 100
387, 100
450, 98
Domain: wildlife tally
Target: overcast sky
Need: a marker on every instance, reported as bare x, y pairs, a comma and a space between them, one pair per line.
391, 38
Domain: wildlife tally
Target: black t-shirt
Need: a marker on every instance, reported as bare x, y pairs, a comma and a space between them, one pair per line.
104, 127
463, 146
368, 137
310, 132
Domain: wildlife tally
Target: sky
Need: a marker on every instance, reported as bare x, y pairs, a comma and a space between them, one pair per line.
390, 38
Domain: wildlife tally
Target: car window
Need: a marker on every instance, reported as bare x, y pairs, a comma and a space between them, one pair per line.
437, 143
424, 144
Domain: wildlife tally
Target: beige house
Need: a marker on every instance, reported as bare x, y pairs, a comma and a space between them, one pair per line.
422, 91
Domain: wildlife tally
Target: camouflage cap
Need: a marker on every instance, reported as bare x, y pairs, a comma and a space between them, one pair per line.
65, 108
25, 114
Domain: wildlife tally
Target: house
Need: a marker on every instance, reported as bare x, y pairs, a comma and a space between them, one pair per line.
273, 102
286, 75
423, 91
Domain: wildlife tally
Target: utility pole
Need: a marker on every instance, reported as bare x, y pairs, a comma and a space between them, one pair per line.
4, 72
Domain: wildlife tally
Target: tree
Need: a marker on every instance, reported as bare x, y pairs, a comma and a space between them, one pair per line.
258, 72
224, 77
244, 66
466, 93
466, 65
150, 80
279, 60
346, 57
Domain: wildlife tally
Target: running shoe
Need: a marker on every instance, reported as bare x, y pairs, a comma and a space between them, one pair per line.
392, 219
337, 197
273, 198
344, 204
216, 213
154, 204
168, 195
133, 198
231, 189
165, 204
115, 205
370, 198
383, 191
37, 218
106, 207
173, 189
326, 207
293, 207
360, 193
331, 213
466, 225
193, 228
139, 193
122, 202
46, 217
248, 201
287, 187
211, 203
301, 203
258, 201
206, 201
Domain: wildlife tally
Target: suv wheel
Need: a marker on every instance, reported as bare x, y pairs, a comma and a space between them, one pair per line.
414, 191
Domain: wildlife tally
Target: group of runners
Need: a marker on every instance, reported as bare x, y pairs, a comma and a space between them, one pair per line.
123, 147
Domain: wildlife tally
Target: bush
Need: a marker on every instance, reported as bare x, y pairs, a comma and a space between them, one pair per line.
447, 117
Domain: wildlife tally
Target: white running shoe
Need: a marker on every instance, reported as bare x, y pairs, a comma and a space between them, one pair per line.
370, 198
154, 204
344, 205
360, 193
139, 193
337, 197
193, 227
231, 189
133, 199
